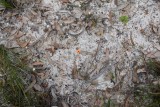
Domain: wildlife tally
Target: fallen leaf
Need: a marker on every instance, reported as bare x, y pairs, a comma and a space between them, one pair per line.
54, 96
65, 1
135, 75
142, 31
64, 104
153, 54
107, 54
157, 54
56, 45
126, 104
132, 40
13, 32
37, 87
75, 71
157, 82
100, 32
68, 20
30, 86
94, 82
18, 35
33, 12
44, 84
58, 28
116, 2
25, 19
45, 75
51, 50
154, 28
41, 75
22, 44
38, 63
157, 47
107, 94
110, 17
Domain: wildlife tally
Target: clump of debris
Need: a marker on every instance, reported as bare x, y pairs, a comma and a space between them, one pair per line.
86, 53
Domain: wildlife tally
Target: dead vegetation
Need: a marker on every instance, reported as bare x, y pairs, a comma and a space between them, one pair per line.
14, 80
148, 94
90, 53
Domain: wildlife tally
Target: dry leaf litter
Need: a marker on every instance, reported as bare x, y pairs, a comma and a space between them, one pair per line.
81, 49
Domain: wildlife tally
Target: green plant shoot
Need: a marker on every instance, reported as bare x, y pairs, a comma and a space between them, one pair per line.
6, 4
124, 19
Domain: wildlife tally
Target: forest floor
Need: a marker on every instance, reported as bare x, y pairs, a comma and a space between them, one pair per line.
92, 51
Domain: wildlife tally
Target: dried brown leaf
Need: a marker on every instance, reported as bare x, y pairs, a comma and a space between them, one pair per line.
44, 84
132, 40
13, 32
107, 94
41, 75
116, 2
110, 17
75, 71
157, 47
58, 28
56, 45
51, 50
126, 104
154, 28
46, 75
37, 87
150, 55
65, 1
38, 63
142, 31
64, 104
157, 54
100, 32
22, 44
18, 35
94, 82
33, 12
107, 53
135, 75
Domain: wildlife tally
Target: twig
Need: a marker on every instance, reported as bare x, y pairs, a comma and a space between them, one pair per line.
154, 93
